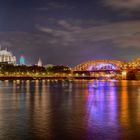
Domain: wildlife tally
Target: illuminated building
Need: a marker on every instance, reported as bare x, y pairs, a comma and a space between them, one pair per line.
22, 60
124, 74
39, 63
7, 57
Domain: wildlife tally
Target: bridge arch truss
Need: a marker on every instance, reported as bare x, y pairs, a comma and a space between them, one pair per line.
99, 65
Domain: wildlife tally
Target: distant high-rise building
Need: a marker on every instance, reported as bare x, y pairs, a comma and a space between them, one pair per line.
39, 63
22, 60
7, 57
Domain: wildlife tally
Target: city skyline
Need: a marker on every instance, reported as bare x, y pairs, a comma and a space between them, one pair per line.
7, 56
75, 30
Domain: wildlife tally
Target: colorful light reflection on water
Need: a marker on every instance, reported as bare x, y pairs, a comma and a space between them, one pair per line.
102, 103
50, 109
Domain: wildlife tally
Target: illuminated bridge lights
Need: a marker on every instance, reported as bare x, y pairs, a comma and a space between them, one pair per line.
98, 65
135, 64
102, 67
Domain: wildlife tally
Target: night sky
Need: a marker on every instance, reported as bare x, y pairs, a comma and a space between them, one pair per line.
70, 31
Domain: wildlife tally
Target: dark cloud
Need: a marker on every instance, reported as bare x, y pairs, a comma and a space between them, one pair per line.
70, 36
124, 34
124, 6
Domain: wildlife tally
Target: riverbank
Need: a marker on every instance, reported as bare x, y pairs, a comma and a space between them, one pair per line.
30, 78
51, 78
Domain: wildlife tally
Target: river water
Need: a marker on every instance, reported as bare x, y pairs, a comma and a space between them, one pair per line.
81, 110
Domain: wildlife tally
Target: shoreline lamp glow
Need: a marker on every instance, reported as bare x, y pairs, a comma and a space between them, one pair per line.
22, 60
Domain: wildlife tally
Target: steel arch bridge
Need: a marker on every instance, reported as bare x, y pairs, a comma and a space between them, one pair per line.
97, 65
135, 63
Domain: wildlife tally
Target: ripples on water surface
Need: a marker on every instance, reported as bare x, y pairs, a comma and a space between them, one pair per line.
69, 110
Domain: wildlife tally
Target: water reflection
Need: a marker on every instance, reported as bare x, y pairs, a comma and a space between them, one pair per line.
102, 108
124, 118
47, 109
114, 105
